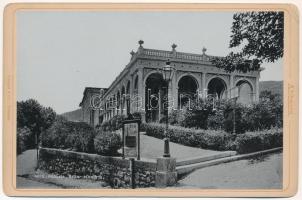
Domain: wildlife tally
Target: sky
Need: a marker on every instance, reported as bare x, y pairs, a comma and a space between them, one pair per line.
59, 53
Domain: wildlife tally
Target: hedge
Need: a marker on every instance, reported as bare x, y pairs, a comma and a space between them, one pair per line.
257, 141
207, 139
63, 134
218, 140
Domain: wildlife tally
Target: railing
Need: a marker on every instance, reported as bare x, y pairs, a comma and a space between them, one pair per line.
177, 55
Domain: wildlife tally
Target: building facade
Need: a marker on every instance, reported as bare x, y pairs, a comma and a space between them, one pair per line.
139, 87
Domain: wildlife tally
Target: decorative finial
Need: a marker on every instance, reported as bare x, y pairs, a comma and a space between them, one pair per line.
204, 50
132, 53
140, 42
174, 47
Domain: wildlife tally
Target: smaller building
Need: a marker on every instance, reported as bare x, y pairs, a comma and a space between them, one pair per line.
90, 114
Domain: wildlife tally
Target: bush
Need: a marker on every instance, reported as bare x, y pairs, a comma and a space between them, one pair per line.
107, 143
115, 123
137, 115
63, 134
208, 139
257, 141
240, 122
195, 114
218, 140
23, 136
262, 115
216, 120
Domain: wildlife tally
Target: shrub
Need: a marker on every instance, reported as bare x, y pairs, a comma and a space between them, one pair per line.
240, 122
195, 114
137, 115
218, 140
176, 117
107, 143
115, 123
208, 139
63, 134
257, 141
216, 120
264, 115
23, 136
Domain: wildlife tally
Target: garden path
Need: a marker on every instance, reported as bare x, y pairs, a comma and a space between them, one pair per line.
152, 148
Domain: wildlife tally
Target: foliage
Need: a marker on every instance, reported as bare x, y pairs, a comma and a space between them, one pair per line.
260, 34
240, 122
35, 117
176, 117
107, 143
218, 140
63, 134
115, 123
266, 114
23, 135
195, 114
208, 139
137, 115
215, 120
257, 141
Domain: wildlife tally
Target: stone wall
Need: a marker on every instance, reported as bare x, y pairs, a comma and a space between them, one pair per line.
114, 171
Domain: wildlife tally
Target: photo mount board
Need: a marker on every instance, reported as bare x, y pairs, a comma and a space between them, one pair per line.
290, 86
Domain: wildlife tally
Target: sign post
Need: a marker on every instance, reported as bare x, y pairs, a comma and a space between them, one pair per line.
131, 138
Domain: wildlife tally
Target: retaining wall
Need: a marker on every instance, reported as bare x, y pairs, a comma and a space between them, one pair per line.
114, 171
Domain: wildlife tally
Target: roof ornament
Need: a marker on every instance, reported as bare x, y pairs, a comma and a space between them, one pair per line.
204, 51
141, 42
174, 47
132, 53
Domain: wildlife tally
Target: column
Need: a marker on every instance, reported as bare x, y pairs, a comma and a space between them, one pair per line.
174, 92
131, 93
141, 92
257, 89
231, 85
199, 89
204, 87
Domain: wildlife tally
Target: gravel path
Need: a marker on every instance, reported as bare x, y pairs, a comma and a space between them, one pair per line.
153, 148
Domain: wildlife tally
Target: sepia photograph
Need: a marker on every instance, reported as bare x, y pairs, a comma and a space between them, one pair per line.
149, 99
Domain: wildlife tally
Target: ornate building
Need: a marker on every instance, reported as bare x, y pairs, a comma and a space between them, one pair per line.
138, 88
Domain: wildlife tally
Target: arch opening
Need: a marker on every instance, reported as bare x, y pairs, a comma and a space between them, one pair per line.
187, 90
154, 96
217, 88
246, 94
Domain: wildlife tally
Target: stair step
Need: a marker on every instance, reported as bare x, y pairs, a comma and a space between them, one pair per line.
186, 169
205, 158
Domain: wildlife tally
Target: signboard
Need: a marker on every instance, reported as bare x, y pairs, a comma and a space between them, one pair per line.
131, 139
234, 92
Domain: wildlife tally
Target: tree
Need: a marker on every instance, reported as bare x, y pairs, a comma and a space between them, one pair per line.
35, 117
260, 34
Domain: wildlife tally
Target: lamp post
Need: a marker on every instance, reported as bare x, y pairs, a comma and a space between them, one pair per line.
168, 72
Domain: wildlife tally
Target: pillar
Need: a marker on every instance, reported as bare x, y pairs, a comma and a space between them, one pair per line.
166, 174
231, 85
174, 91
141, 92
203, 85
257, 89
131, 93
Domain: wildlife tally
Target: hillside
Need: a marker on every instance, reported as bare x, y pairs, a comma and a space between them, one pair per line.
276, 87
74, 116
